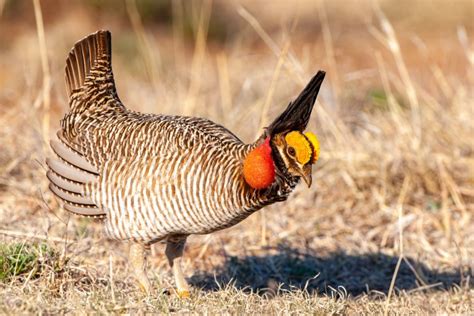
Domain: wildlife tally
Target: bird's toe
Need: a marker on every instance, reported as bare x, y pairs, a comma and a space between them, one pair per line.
183, 294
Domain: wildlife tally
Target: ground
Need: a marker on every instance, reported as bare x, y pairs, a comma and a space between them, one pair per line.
387, 226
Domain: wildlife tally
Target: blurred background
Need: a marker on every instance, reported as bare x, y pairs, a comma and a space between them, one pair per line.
390, 212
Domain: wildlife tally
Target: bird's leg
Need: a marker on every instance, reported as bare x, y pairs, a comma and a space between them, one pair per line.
174, 252
138, 263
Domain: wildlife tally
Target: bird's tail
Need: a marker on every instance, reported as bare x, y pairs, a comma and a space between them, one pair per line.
89, 70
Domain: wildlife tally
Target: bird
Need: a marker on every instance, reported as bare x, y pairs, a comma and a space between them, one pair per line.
161, 178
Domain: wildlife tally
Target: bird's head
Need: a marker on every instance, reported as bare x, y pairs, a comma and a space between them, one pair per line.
298, 153
285, 145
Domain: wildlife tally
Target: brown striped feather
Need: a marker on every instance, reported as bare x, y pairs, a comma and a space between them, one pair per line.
153, 176
84, 56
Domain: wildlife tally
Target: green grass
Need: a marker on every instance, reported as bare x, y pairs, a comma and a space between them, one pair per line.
21, 259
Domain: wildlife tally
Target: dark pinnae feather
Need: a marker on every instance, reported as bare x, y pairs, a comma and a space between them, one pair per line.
297, 114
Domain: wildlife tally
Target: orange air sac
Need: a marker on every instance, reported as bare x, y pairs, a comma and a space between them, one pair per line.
259, 170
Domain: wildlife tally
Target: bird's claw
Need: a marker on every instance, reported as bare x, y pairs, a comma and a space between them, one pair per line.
183, 294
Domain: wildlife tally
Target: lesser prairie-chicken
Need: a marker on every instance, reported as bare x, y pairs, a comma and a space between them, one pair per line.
160, 177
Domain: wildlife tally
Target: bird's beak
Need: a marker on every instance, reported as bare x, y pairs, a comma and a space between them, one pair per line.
306, 174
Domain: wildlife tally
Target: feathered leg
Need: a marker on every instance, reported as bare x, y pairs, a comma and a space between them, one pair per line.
137, 259
174, 252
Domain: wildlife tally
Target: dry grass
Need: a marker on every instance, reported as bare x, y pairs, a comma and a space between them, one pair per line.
387, 226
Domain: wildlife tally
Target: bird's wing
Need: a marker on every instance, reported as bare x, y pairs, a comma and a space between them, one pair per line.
68, 174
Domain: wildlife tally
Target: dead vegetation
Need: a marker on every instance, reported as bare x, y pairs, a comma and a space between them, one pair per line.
387, 226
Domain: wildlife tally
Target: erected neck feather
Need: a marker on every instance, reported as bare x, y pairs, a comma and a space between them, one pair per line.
259, 169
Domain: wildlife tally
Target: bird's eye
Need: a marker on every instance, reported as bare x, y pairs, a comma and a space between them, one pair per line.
291, 151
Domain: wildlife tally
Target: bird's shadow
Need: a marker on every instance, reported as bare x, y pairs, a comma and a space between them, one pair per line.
288, 269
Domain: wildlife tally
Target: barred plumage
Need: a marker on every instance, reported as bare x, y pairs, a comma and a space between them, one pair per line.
157, 177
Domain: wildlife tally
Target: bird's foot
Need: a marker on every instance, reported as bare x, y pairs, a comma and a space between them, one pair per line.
183, 294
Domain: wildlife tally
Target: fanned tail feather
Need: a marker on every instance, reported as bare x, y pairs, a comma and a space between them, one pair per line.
90, 84
85, 56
